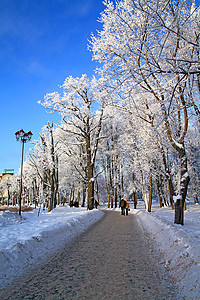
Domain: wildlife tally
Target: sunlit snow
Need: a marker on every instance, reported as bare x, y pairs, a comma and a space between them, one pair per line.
25, 241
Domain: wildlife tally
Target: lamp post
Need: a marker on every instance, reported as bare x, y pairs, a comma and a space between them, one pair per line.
22, 137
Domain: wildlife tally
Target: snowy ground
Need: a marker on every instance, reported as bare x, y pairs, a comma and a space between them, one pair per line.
24, 242
179, 245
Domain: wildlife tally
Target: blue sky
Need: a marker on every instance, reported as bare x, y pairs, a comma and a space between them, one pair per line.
42, 42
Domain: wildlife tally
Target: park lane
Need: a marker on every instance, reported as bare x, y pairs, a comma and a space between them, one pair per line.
113, 259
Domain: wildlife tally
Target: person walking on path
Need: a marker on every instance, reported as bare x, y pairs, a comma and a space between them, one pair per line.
126, 206
122, 204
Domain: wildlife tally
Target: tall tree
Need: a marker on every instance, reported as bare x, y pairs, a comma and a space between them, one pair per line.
150, 48
80, 118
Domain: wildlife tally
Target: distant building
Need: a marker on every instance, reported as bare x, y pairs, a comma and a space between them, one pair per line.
5, 178
7, 174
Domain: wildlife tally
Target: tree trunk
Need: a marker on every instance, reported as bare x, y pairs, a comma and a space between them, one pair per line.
163, 193
143, 191
97, 191
150, 192
196, 197
97, 194
90, 197
115, 196
72, 195
108, 190
90, 169
122, 183
78, 196
108, 193
196, 186
134, 191
52, 201
135, 199
112, 198
184, 181
51, 196
112, 179
169, 179
116, 180
119, 183
56, 184
171, 192
159, 192
84, 193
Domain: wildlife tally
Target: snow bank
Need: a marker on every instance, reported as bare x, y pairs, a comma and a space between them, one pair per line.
26, 241
178, 245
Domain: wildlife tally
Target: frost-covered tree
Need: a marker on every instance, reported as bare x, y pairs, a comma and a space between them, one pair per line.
73, 162
193, 146
109, 156
44, 162
149, 51
78, 107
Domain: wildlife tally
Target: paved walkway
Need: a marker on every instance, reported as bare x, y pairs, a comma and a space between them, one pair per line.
113, 259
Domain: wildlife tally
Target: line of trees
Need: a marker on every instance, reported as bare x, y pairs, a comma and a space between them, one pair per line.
150, 56
134, 131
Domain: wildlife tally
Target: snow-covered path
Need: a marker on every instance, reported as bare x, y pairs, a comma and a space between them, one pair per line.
111, 260
25, 242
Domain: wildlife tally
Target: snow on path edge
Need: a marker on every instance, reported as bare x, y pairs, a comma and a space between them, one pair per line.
14, 261
177, 252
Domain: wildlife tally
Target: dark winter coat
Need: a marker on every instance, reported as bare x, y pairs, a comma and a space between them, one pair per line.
122, 203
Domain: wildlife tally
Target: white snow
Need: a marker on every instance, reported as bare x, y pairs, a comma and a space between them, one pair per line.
25, 242
179, 246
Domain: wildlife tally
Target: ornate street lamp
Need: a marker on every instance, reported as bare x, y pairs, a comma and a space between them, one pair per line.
22, 137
